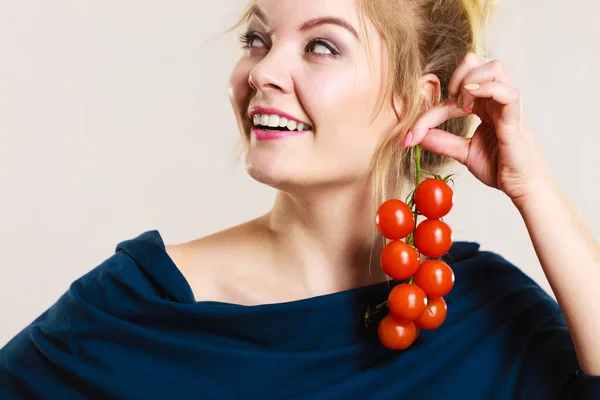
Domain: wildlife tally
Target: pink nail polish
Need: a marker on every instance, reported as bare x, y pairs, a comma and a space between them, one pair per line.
467, 109
407, 140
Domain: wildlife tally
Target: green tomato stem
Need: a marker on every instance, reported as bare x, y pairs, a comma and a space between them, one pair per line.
411, 238
381, 305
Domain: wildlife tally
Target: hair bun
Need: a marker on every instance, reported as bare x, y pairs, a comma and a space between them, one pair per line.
478, 13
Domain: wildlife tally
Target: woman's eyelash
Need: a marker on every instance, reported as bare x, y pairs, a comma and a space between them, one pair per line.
247, 38
325, 43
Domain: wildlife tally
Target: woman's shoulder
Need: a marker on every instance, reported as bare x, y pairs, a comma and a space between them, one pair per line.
139, 270
210, 263
487, 282
193, 256
203, 260
480, 266
489, 271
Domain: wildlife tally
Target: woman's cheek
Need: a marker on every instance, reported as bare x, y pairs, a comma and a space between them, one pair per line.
239, 90
333, 98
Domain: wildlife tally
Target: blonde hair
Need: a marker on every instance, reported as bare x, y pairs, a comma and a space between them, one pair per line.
422, 37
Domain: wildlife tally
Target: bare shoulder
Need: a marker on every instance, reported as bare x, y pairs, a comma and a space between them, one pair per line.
211, 263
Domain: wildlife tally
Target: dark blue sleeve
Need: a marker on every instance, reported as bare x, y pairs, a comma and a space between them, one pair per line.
582, 386
527, 324
549, 354
74, 349
549, 351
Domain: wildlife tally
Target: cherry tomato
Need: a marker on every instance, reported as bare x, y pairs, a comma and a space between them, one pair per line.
396, 334
433, 238
434, 198
407, 301
435, 277
434, 318
399, 260
395, 219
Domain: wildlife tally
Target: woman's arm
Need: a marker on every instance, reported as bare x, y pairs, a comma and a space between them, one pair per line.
570, 258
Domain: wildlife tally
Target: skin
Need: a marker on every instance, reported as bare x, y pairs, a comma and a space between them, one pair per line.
313, 240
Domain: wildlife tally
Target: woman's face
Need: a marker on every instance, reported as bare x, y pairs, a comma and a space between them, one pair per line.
307, 61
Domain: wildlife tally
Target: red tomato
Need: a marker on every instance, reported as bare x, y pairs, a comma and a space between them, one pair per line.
434, 318
396, 334
394, 219
433, 238
435, 277
399, 260
407, 301
434, 198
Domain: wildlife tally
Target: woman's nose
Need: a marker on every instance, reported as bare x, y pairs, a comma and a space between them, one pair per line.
271, 74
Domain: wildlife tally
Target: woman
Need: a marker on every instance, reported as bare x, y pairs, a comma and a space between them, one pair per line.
324, 95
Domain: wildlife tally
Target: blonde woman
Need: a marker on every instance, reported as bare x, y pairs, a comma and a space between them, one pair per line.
331, 98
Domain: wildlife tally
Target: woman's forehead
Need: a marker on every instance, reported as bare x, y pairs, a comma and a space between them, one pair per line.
293, 11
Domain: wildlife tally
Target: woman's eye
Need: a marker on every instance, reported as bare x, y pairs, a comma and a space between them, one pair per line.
251, 40
256, 42
321, 47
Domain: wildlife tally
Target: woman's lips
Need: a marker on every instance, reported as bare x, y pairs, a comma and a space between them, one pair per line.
261, 134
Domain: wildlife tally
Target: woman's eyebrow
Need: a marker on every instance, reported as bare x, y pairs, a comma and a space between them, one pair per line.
330, 20
258, 13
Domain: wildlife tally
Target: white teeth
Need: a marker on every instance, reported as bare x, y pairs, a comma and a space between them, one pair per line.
274, 121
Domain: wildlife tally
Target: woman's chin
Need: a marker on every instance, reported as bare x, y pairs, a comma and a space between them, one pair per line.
269, 172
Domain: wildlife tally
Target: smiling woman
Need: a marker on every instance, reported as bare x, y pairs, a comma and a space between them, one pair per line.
335, 100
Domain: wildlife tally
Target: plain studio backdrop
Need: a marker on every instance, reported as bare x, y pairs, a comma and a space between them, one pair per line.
115, 119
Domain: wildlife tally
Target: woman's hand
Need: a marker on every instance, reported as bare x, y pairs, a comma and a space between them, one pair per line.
502, 153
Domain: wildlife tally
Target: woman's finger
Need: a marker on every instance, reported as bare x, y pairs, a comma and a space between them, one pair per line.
445, 143
494, 71
469, 62
432, 118
498, 92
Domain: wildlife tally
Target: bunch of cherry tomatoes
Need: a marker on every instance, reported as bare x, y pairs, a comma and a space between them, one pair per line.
417, 302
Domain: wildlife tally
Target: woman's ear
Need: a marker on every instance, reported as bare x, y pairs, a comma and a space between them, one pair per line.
431, 89
398, 105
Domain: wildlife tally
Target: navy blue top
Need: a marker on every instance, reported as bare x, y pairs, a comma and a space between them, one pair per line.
131, 329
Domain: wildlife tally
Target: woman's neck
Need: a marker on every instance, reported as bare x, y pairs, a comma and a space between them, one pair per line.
323, 241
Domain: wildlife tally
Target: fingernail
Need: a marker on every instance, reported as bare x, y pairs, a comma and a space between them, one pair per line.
472, 86
407, 140
467, 109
